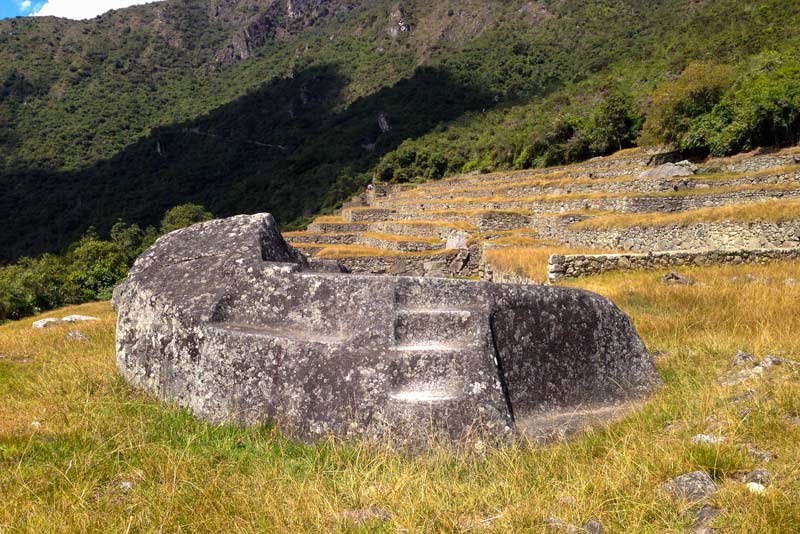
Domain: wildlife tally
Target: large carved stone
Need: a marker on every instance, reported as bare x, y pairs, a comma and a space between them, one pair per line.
228, 320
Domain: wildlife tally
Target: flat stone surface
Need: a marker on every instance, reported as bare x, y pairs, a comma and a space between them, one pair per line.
692, 487
228, 320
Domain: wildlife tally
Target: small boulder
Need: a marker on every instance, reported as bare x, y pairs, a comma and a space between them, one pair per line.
555, 524
45, 323
759, 476
760, 454
670, 170
457, 240
594, 527
692, 487
743, 358
703, 518
674, 278
78, 319
77, 336
366, 516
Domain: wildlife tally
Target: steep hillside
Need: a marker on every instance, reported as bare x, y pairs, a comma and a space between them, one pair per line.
290, 106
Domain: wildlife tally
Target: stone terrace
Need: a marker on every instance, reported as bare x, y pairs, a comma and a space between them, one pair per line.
618, 203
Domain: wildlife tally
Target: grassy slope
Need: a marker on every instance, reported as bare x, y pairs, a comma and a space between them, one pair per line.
95, 434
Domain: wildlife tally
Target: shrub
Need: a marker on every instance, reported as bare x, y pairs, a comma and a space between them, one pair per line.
183, 216
676, 103
761, 109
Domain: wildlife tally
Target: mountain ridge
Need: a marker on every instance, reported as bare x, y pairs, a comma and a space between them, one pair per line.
79, 99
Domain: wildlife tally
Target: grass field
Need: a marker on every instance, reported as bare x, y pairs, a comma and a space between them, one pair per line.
82, 452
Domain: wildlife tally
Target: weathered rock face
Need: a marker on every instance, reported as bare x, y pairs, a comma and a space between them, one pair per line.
226, 319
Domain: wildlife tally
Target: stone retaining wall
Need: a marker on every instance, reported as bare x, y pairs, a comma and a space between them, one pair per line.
348, 228
701, 236
577, 265
632, 185
625, 204
750, 163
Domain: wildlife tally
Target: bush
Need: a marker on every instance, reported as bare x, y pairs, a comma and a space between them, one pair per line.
183, 216
761, 109
676, 103
89, 270
614, 124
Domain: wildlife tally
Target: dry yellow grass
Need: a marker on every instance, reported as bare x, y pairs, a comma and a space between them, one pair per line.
103, 458
297, 233
334, 219
398, 238
767, 210
360, 251
529, 259
481, 211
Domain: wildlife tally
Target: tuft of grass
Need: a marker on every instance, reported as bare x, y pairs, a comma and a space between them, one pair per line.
105, 458
779, 210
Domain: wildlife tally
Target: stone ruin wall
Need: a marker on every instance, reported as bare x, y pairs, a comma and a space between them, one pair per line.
721, 235
624, 204
578, 265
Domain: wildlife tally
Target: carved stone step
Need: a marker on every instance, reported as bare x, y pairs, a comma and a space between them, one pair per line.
419, 326
441, 294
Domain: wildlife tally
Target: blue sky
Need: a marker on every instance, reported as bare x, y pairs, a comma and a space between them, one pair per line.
74, 9
12, 8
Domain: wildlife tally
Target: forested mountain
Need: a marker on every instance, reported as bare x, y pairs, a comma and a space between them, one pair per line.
290, 106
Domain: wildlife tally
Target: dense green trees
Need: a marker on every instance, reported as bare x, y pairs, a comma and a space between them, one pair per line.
722, 109
87, 271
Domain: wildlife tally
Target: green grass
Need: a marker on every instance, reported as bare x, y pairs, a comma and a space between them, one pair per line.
96, 437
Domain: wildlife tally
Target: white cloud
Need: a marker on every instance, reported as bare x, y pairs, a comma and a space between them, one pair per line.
80, 9
25, 5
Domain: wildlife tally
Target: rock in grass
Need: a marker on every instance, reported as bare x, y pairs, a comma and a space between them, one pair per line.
674, 278
50, 321
594, 527
755, 487
703, 518
555, 524
692, 487
705, 439
44, 323
760, 454
77, 336
366, 516
759, 476
743, 358
79, 319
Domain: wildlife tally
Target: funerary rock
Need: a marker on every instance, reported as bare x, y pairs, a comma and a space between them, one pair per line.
229, 321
